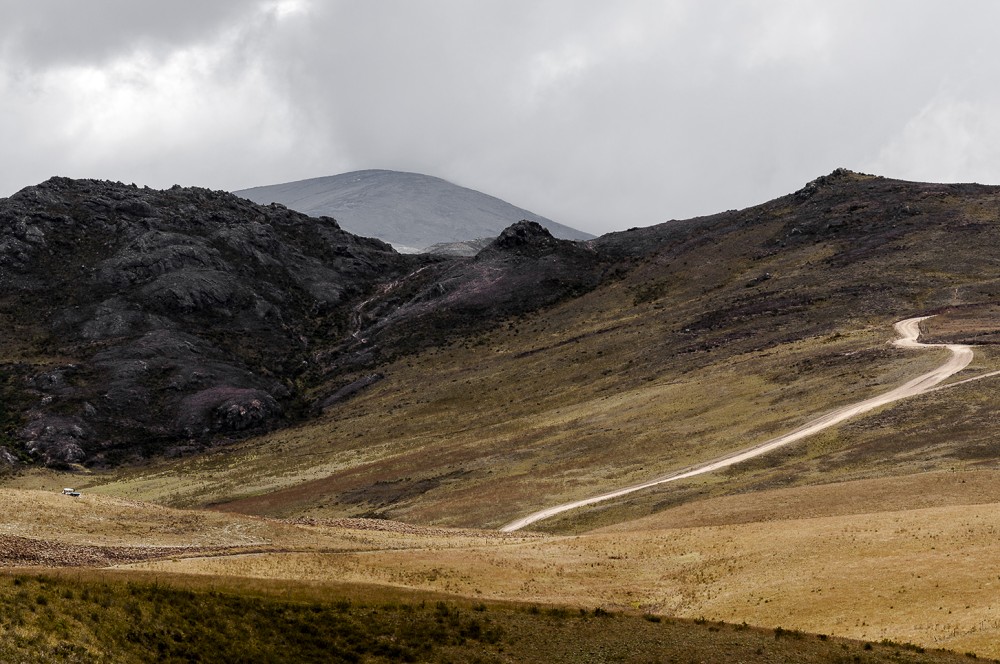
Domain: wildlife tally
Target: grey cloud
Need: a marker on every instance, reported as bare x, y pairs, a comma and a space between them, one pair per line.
595, 114
41, 33
714, 109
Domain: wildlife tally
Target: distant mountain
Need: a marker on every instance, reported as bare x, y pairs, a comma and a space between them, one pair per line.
409, 210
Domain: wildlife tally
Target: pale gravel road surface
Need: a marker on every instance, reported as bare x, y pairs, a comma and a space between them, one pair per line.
908, 330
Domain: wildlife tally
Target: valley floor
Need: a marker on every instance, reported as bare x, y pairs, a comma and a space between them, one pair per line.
842, 559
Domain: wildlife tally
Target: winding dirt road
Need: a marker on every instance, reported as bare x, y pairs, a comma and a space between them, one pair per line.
908, 330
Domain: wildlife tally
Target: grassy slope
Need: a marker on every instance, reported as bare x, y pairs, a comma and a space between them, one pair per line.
691, 354
448, 450
480, 444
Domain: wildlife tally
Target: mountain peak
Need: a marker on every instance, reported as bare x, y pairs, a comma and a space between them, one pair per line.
837, 175
410, 210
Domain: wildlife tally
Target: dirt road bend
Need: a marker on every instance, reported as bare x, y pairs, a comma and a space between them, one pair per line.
908, 331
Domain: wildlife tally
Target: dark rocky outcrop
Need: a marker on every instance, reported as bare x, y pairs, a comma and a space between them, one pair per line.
525, 238
182, 314
225, 409
148, 322
57, 441
522, 270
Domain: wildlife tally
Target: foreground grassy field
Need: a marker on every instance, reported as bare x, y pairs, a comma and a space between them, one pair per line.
227, 587
859, 564
848, 559
857, 567
101, 617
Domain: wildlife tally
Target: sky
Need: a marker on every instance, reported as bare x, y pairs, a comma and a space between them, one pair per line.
600, 115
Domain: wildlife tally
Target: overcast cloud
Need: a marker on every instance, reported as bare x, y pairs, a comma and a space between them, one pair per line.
595, 114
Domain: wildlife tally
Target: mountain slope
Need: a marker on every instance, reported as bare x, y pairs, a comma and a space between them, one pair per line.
704, 337
405, 209
143, 322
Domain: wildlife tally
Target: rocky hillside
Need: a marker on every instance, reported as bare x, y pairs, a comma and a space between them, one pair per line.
139, 322
409, 210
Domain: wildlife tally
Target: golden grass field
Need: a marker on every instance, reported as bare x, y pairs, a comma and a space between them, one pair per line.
856, 567
841, 559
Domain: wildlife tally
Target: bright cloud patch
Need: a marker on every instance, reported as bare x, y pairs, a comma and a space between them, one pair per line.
949, 140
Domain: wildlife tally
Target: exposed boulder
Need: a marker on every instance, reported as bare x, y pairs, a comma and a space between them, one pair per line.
188, 290
156, 253
8, 459
116, 317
